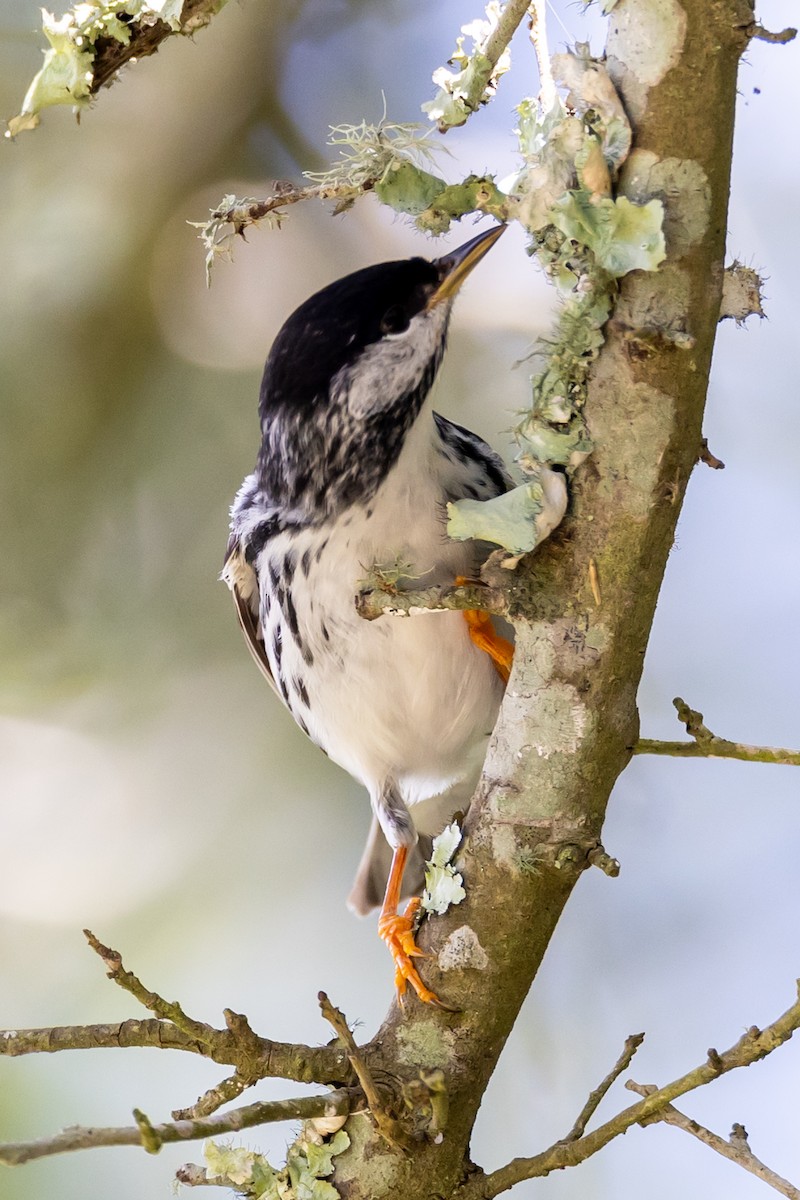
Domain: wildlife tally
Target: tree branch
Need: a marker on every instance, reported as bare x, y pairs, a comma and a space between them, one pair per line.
152, 1137
736, 1148
707, 745
753, 1045
266, 1059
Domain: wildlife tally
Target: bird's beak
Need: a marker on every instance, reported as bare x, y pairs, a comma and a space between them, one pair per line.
455, 267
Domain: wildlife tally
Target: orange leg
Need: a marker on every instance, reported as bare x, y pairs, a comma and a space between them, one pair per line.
486, 637
397, 930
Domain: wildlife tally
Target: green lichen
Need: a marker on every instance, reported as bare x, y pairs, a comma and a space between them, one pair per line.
508, 520
308, 1163
474, 81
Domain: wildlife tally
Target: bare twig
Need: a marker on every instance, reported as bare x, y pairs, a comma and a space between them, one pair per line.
152, 1137
237, 1045
736, 1148
753, 1045
165, 1009
391, 1130
632, 1044
707, 745
379, 602
284, 1060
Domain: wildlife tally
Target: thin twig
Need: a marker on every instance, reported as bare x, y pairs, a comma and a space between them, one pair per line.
379, 602
166, 1009
390, 1129
152, 1137
632, 1044
707, 745
736, 1148
752, 1046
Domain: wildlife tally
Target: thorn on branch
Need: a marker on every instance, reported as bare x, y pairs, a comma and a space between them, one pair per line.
165, 1009
714, 1060
705, 456
608, 865
215, 1097
760, 34
151, 1140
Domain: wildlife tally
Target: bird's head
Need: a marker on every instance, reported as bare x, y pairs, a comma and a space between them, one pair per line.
348, 374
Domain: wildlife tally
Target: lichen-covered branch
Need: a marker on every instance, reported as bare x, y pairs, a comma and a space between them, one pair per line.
153, 1137
374, 602
736, 1148
463, 91
90, 44
707, 745
755, 1044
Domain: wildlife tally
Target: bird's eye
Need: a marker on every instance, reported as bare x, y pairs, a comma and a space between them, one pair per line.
394, 320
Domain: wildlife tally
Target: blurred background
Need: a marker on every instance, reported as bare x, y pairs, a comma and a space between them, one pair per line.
152, 788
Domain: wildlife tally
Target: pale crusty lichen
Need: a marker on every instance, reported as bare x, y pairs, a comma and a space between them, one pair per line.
462, 950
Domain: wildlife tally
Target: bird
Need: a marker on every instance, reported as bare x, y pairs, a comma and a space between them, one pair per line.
356, 469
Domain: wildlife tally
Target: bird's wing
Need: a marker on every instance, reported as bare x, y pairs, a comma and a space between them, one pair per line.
476, 472
242, 580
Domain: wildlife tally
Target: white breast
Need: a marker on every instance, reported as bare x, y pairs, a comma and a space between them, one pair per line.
409, 699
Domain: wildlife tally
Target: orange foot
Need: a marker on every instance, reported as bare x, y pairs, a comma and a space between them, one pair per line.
397, 931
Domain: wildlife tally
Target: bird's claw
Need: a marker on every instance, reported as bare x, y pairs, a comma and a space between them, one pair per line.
397, 931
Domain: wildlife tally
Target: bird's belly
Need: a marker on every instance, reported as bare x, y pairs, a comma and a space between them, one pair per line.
406, 698
418, 699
